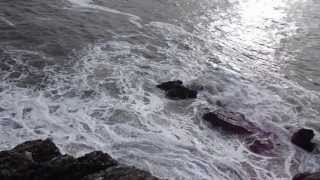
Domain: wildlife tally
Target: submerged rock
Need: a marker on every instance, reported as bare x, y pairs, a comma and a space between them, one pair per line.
232, 122
262, 143
261, 146
307, 176
176, 90
41, 160
302, 138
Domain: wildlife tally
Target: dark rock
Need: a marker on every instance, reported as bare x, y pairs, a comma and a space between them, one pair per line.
307, 176
16, 166
62, 167
230, 121
41, 150
170, 85
181, 93
121, 173
176, 90
302, 138
301, 176
66, 167
41, 160
96, 160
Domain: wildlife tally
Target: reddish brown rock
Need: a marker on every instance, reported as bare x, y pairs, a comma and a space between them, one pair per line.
232, 122
256, 139
307, 176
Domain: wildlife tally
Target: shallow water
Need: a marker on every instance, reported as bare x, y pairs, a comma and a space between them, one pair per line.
84, 72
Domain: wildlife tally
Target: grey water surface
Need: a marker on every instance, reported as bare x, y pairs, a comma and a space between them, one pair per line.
83, 72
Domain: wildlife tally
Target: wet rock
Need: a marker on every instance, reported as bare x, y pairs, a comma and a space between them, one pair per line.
16, 166
121, 173
41, 160
257, 140
261, 143
175, 90
261, 146
97, 160
181, 93
232, 122
41, 150
66, 167
307, 176
60, 167
170, 85
302, 138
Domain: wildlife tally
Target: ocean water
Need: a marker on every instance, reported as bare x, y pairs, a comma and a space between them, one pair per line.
83, 72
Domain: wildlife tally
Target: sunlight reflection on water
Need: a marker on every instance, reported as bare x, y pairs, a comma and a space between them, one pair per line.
254, 30
256, 16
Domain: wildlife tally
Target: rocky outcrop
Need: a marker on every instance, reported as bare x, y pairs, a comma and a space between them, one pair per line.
42, 160
41, 150
231, 122
176, 90
256, 139
307, 176
302, 138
